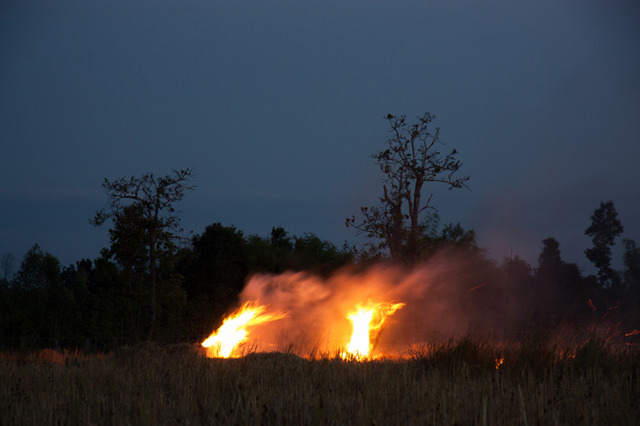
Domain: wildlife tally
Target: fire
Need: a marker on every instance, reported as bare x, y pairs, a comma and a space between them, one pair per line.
499, 362
234, 329
367, 324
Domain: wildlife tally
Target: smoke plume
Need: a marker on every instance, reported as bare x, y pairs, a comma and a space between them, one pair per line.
450, 296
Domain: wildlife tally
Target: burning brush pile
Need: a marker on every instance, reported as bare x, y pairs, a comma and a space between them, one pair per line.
360, 314
386, 311
344, 315
356, 313
367, 321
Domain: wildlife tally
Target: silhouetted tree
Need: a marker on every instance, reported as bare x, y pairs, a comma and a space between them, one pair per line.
279, 238
550, 261
37, 270
632, 267
455, 236
130, 286
147, 203
519, 294
519, 272
81, 321
41, 302
559, 283
114, 322
7, 322
260, 254
450, 236
312, 253
7, 265
281, 246
411, 160
215, 271
604, 229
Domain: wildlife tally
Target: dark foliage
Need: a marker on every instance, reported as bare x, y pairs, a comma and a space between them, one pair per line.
604, 229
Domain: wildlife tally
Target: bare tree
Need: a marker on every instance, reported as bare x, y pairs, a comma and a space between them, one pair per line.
153, 198
411, 160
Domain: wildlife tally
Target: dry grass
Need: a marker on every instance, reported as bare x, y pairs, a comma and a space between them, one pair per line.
456, 383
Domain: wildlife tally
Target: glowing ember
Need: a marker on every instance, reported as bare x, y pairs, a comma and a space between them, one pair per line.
367, 324
499, 362
233, 331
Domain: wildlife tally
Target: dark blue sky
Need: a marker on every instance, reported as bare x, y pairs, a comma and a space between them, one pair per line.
277, 106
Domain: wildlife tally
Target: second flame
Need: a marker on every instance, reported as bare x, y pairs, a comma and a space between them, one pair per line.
367, 323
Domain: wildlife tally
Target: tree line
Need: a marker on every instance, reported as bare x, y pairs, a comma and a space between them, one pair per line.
104, 303
152, 283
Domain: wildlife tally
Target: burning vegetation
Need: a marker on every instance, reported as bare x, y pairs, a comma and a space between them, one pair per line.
383, 310
223, 343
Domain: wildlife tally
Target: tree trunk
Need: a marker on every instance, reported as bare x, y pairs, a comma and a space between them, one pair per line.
148, 333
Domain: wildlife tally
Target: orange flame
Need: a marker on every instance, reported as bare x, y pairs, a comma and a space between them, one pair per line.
234, 330
499, 362
367, 324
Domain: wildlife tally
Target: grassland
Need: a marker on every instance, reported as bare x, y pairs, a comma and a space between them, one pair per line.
456, 383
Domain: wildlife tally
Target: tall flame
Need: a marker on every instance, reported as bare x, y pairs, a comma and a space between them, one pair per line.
234, 329
367, 324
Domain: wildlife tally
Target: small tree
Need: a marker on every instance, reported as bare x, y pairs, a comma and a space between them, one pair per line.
411, 160
152, 199
604, 229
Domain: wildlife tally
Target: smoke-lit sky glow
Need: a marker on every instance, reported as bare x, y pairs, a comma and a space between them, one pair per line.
277, 106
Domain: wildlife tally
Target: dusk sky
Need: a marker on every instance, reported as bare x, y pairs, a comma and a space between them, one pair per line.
278, 105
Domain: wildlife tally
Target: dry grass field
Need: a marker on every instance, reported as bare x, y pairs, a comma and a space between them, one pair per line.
461, 383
